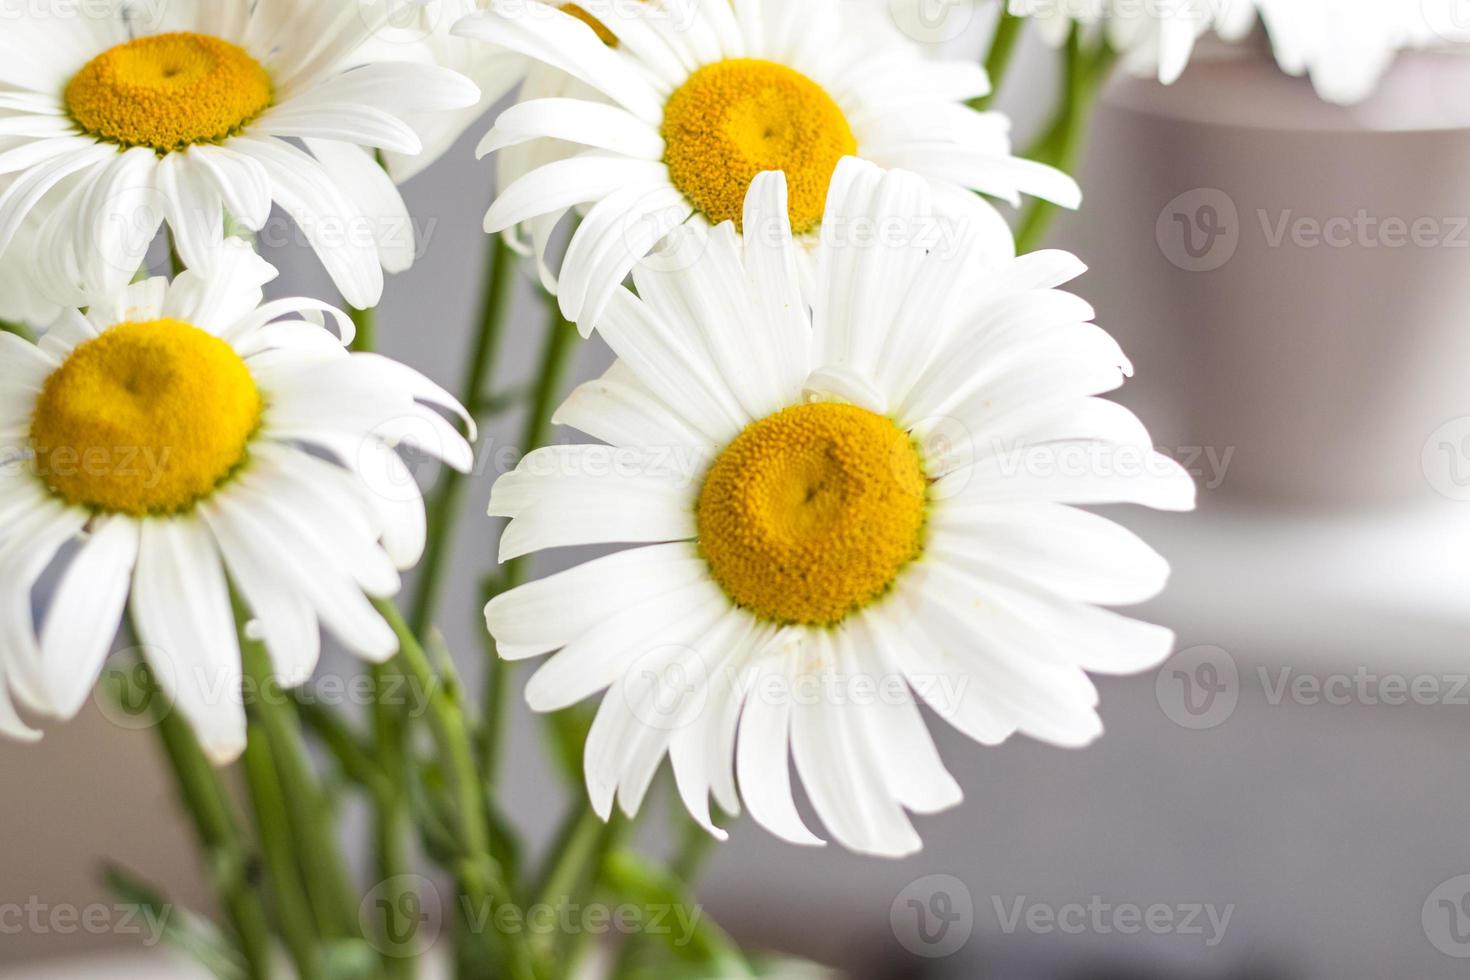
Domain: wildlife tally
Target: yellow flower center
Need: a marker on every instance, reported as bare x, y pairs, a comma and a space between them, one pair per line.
735, 119
811, 513
606, 36
146, 418
168, 91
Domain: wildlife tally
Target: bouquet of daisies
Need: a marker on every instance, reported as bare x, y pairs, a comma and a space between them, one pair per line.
836, 470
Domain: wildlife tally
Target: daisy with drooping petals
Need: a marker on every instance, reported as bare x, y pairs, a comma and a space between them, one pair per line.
186, 111
187, 435
1346, 46
842, 509
1154, 37
702, 96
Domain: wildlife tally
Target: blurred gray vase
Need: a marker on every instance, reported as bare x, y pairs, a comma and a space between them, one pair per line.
1291, 278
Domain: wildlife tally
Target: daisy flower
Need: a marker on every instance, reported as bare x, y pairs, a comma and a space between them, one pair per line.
177, 437
180, 111
699, 97
841, 510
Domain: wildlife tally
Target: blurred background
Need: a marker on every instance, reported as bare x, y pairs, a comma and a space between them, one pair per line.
1284, 798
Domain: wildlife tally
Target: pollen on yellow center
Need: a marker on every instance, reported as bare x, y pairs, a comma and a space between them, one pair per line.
812, 513
146, 418
734, 119
168, 91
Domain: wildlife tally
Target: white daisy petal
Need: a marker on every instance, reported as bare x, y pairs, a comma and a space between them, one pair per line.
1074, 473
761, 753
286, 620
861, 283
373, 191
574, 120
306, 192
598, 658
614, 235
23, 193
895, 731
1076, 553
362, 125
702, 750
85, 612
534, 29
338, 602
620, 411
229, 289
192, 207
712, 297
11, 724
181, 605
241, 182
841, 776
542, 616
36, 531
1063, 631
391, 489
629, 734
664, 363
935, 676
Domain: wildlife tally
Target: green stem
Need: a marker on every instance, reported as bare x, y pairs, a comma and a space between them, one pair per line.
191, 934
347, 747
293, 907
226, 853
694, 850
707, 943
1008, 32
1084, 75
478, 872
394, 819
445, 504
365, 337
555, 362
575, 873
317, 851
